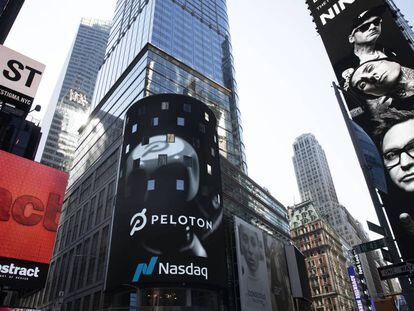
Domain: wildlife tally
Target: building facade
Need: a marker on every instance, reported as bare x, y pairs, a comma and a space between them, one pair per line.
75, 94
315, 183
155, 46
8, 13
325, 260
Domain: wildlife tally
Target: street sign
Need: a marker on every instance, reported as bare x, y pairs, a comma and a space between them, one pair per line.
375, 228
370, 246
399, 269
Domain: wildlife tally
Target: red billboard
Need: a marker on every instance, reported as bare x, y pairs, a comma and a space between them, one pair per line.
31, 197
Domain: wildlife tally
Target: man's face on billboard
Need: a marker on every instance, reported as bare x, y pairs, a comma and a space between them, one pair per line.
368, 32
250, 248
376, 77
398, 154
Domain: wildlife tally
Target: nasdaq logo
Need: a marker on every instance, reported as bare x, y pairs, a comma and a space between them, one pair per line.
145, 269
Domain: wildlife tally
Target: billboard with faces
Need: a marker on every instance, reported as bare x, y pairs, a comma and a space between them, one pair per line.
262, 269
374, 65
167, 224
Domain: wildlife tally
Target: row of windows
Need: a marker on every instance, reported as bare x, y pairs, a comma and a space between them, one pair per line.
80, 266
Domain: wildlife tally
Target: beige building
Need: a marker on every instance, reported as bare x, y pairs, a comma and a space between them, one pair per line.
325, 260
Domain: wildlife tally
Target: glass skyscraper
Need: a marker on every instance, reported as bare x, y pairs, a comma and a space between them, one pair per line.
154, 46
164, 46
76, 93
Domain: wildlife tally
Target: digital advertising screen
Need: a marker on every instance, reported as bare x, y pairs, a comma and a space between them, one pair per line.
262, 270
19, 78
374, 65
167, 224
31, 197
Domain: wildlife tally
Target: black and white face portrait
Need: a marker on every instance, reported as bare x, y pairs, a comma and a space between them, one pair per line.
368, 32
250, 248
398, 154
376, 77
255, 294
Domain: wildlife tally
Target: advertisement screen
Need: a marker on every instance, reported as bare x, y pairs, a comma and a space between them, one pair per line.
374, 65
262, 269
19, 78
355, 288
31, 196
167, 225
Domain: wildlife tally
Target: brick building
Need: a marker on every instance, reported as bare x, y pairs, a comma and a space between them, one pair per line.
325, 260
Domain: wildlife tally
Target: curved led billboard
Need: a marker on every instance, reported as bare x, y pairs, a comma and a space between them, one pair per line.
167, 220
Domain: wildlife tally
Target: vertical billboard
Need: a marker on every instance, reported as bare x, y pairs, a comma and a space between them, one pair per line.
355, 288
374, 65
167, 224
31, 196
19, 79
262, 270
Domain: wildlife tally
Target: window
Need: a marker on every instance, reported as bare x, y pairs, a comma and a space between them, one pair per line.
96, 301
145, 141
165, 105
154, 121
179, 184
188, 161
170, 138
180, 121
206, 116
150, 184
86, 302
209, 169
162, 159
134, 128
187, 107
141, 110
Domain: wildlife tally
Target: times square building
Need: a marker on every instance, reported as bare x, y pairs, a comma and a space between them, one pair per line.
155, 47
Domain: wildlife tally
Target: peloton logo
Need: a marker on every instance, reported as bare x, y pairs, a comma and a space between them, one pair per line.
139, 221
169, 269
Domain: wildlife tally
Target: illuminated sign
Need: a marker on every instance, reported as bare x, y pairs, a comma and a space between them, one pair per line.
168, 212
374, 61
31, 196
19, 78
355, 288
262, 270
